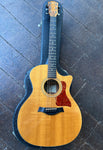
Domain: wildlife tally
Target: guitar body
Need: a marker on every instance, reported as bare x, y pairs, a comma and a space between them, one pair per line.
41, 128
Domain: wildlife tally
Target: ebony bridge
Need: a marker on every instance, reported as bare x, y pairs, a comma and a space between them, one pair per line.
50, 110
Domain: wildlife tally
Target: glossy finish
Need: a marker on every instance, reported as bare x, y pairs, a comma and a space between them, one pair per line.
40, 129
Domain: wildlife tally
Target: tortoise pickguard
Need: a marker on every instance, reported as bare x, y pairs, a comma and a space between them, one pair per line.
62, 99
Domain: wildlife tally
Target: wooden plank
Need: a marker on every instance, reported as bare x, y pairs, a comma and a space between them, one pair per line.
13, 63
19, 38
10, 92
27, 16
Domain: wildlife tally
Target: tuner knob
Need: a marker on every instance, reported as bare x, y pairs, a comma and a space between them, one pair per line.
58, 14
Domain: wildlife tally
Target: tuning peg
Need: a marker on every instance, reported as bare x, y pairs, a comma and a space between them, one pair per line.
46, 13
46, 9
58, 14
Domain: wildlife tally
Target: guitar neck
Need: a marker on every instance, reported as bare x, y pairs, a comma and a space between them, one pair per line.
52, 49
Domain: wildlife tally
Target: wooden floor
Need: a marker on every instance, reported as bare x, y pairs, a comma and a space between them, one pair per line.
81, 55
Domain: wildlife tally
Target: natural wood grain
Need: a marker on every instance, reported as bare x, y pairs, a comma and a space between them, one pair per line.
53, 8
40, 129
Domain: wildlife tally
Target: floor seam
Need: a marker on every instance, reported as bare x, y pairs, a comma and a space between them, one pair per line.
18, 21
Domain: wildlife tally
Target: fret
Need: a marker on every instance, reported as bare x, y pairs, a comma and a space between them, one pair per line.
52, 30
52, 57
52, 48
52, 60
53, 25
49, 71
51, 44
53, 54
52, 40
51, 67
52, 33
52, 51
52, 21
52, 71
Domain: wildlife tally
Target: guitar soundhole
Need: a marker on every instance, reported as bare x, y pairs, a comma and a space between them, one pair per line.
51, 86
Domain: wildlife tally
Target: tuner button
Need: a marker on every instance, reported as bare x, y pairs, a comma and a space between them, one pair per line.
58, 14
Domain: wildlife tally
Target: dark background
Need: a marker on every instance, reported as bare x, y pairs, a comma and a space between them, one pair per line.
81, 55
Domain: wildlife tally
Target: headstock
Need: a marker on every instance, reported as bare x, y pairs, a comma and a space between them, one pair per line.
53, 8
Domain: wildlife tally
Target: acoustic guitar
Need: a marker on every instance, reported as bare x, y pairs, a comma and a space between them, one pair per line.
49, 117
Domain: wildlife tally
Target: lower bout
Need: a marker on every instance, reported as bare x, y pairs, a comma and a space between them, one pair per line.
51, 131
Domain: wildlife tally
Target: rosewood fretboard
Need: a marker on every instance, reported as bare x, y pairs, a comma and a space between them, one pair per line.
52, 49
